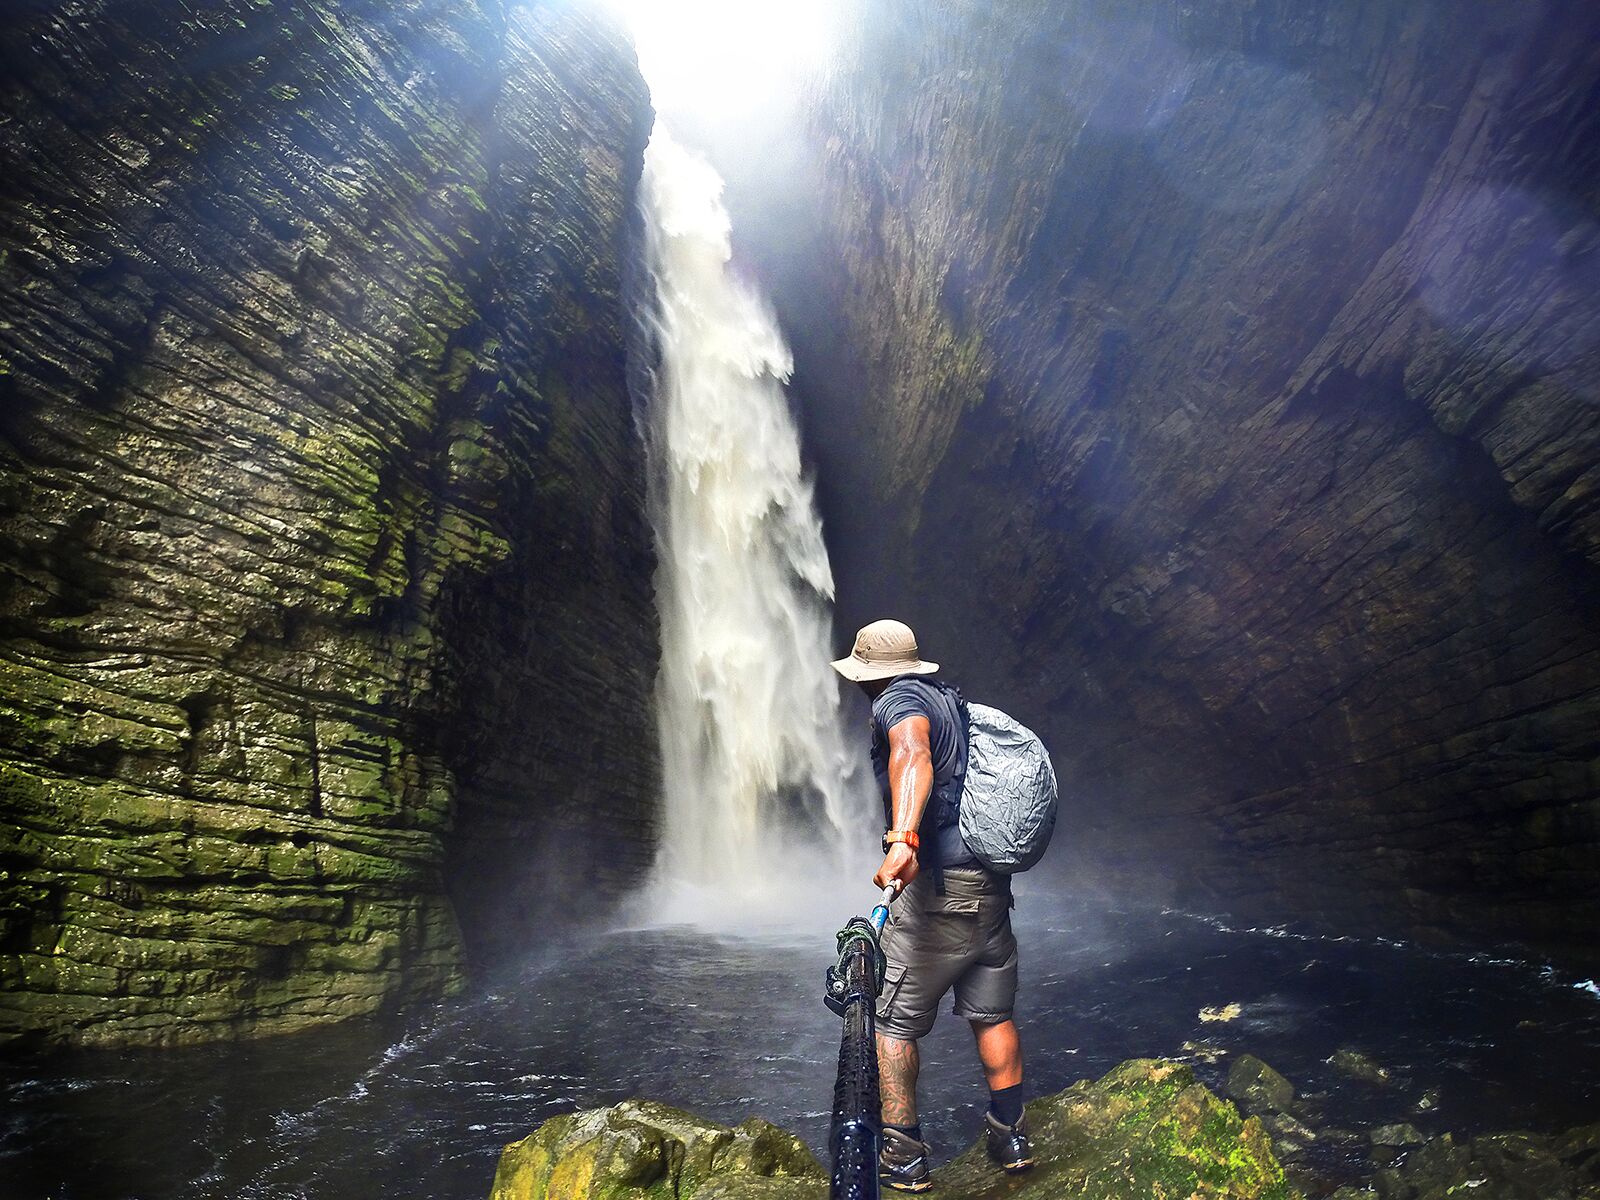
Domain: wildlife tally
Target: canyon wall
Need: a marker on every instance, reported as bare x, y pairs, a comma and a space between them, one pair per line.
1217, 387
324, 581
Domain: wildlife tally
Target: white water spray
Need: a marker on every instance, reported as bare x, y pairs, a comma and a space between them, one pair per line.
763, 807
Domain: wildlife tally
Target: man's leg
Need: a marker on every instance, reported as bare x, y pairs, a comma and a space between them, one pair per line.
1000, 1051
898, 1062
903, 1164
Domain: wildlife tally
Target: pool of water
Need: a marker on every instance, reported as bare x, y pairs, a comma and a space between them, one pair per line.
735, 1026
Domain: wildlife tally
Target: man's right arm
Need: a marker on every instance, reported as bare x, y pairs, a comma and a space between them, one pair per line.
910, 785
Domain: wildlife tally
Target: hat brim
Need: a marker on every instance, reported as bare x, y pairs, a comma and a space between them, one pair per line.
856, 671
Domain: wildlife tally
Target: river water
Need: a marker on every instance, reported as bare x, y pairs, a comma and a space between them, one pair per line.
733, 1026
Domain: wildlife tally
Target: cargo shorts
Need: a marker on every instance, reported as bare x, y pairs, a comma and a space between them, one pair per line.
932, 943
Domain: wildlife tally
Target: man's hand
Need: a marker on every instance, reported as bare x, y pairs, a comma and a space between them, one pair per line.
899, 866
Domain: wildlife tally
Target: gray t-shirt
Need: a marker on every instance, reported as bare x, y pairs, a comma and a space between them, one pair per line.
920, 696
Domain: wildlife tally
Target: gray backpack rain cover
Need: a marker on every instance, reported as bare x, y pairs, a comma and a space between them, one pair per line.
1008, 801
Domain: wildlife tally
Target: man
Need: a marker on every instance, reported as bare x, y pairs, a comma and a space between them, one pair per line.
951, 925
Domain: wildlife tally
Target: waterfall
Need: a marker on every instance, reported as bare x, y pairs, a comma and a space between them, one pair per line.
762, 800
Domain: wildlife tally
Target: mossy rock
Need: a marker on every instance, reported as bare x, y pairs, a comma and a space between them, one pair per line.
1145, 1130
643, 1149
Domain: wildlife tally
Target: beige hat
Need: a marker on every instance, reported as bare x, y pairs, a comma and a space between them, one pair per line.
883, 650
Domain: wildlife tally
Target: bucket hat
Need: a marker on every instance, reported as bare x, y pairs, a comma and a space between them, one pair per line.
883, 650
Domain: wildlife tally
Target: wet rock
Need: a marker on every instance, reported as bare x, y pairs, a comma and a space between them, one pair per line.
1580, 1147
1287, 1132
1144, 1129
645, 1149
1356, 1065
1399, 1134
319, 497
1509, 1166
1258, 1087
1428, 1101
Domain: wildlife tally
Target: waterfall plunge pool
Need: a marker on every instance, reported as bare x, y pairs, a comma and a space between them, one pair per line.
731, 1027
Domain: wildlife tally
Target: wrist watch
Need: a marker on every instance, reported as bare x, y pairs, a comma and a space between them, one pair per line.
908, 836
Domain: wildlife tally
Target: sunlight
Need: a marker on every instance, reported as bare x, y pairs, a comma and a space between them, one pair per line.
722, 57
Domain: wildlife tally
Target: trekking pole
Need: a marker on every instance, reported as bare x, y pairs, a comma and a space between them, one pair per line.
853, 984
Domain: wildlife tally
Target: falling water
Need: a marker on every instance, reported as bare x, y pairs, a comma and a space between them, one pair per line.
762, 801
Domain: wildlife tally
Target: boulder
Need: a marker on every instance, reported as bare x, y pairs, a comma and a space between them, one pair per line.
641, 1148
1144, 1129
1505, 1166
1400, 1134
1289, 1136
1356, 1065
1257, 1087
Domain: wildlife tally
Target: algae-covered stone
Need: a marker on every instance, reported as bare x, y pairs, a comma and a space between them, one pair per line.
646, 1149
1257, 1086
1145, 1129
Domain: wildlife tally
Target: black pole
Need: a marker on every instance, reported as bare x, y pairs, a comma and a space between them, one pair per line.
852, 991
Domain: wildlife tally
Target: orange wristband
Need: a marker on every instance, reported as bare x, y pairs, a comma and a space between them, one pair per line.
908, 836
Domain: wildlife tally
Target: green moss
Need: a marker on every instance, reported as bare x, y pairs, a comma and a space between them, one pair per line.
642, 1150
1145, 1130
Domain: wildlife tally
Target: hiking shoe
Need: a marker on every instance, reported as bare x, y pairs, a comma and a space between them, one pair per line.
1008, 1144
903, 1162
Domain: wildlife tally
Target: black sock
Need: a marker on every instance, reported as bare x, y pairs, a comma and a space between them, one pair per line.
914, 1132
1006, 1104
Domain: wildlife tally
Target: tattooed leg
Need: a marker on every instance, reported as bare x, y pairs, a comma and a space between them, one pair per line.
897, 1080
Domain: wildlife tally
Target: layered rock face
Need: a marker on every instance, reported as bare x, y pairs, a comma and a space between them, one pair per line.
1217, 388
324, 585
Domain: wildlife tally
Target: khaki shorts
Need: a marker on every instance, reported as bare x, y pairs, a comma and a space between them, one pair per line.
932, 943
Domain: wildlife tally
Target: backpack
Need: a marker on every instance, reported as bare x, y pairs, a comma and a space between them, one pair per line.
1002, 795
1008, 798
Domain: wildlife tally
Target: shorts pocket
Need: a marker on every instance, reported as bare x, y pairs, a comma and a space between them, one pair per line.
894, 979
952, 935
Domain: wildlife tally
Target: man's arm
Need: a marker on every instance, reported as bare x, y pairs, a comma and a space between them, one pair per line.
910, 785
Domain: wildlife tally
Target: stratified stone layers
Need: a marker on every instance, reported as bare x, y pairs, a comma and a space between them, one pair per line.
322, 561
1217, 388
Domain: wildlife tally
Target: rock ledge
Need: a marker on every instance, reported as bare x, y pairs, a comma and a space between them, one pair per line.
1145, 1129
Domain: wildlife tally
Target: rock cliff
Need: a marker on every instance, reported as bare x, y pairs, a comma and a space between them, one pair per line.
1145, 1129
1217, 387
324, 583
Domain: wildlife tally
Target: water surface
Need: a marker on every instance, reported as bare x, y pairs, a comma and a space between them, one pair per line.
733, 1027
